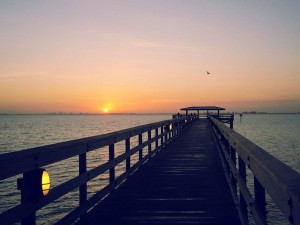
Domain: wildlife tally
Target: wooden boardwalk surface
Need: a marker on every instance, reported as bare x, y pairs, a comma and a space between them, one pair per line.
182, 184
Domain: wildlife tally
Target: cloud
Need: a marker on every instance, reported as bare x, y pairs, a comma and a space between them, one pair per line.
167, 101
149, 44
22, 75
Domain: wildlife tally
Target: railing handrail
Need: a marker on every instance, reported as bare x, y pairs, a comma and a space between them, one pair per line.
31, 158
280, 181
24, 161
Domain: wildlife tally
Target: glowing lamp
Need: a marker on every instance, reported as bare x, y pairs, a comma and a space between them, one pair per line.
45, 185
170, 127
35, 184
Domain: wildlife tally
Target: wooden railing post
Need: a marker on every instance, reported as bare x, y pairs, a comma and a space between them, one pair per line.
233, 180
127, 149
243, 205
111, 159
82, 170
156, 141
140, 144
162, 137
149, 138
166, 134
22, 185
83, 187
260, 197
227, 149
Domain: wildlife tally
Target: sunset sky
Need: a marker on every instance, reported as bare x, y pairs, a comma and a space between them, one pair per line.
149, 56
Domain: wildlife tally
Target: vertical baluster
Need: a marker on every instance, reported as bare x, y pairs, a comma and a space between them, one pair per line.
166, 134
260, 197
140, 144
233, 180
149, 145
127, 149
156, 135
162, 137
25, 198
83, 187
243, 205
111, 159
227, 149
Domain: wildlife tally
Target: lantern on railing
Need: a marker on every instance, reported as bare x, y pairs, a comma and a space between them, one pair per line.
35, 184
170, 126
45, 182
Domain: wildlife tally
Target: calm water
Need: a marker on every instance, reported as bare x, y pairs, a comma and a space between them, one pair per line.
278, 134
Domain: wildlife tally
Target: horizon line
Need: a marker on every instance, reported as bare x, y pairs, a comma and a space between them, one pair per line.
149, 113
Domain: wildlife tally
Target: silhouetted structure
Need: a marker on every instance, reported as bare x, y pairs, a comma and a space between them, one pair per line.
211, 111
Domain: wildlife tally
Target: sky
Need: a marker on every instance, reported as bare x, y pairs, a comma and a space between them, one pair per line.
141, 56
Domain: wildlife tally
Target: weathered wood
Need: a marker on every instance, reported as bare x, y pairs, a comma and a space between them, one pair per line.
231, 171
177, 186
83, 187
280, 181
149, 139
243, 175
140, 143
260, 197
156, 135
15, 163
127, 149
112, 159
162, 137
44, 155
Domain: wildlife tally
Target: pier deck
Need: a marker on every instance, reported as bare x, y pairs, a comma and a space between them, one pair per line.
183, 184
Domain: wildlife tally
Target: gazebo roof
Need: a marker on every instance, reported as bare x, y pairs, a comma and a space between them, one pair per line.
202, 108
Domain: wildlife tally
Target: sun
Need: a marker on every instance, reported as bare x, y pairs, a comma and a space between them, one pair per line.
106, 110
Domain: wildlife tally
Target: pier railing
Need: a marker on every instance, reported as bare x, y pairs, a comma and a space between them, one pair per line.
225, 118
24, 162
271, 176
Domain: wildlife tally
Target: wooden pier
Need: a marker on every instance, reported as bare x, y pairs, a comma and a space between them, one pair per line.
177, 186
188, 171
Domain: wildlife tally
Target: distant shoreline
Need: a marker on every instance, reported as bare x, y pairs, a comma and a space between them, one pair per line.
105, 114
78, 114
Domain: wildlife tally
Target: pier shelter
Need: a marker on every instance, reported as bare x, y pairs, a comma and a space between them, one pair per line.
213, 111
202, 108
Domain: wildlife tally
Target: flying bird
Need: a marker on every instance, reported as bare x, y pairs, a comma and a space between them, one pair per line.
207, 72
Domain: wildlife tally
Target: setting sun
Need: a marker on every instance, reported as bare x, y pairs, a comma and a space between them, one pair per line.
106, 110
